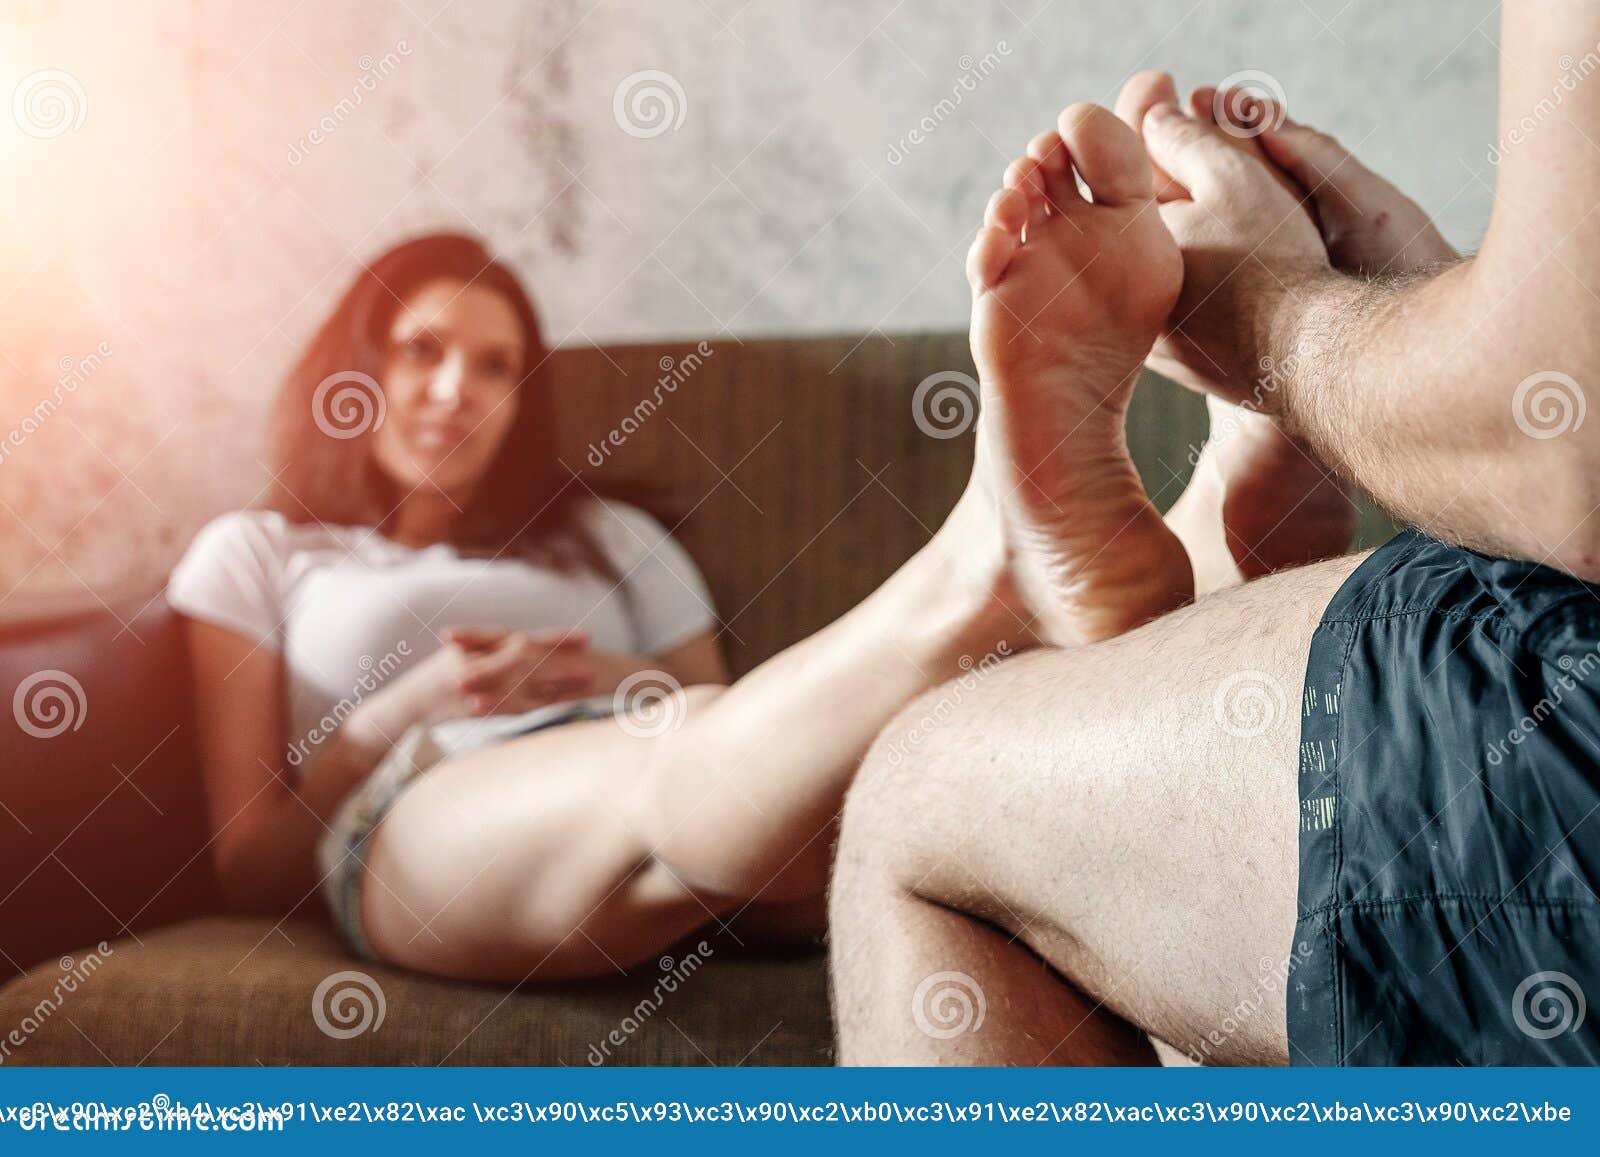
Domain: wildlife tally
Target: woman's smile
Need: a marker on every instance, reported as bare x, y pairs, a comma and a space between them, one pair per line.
437, 435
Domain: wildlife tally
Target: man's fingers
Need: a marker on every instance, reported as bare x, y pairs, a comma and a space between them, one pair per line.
1143, 91
1241, 112
1243, 116
1192, 152
1312, 158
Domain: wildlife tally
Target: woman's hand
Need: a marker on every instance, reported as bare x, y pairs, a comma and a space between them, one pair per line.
562, 665
507, 672
497, 671
478, 671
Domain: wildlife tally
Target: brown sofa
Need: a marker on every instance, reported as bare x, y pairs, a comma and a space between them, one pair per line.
805, 481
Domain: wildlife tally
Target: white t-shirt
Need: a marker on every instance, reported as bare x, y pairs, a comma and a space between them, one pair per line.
349, 609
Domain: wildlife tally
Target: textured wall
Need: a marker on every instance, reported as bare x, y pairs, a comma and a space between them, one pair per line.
191, 182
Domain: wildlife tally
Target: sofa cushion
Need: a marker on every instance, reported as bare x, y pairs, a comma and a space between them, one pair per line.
232, 991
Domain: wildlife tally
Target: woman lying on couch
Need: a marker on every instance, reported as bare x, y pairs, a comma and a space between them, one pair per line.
471, 620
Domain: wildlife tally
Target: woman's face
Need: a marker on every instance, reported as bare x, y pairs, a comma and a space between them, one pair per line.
450, 386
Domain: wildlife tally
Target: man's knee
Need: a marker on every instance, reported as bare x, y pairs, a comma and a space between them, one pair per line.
923, 779
880, 840
881, 825
934, 803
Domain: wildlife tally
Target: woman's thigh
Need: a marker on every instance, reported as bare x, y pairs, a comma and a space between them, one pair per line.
527, 860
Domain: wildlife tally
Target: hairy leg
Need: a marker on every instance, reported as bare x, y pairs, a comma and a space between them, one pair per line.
1101, 842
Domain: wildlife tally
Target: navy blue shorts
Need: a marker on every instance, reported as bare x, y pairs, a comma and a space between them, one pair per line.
1449, 816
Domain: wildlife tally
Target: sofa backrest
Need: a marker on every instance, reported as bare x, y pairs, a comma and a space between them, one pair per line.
805, 466
100, 797
798, 472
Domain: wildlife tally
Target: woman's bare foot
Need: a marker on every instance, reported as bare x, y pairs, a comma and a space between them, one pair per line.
1281, 506
1068, 296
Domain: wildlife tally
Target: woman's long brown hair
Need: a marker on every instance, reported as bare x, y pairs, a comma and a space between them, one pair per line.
526, 505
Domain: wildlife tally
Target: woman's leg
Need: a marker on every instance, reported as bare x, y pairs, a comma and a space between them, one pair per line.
594, 845
577, 850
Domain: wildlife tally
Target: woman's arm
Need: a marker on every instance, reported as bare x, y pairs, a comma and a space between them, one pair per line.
266, 816
265, 822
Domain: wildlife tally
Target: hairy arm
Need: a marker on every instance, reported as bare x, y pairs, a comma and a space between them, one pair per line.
1413, 385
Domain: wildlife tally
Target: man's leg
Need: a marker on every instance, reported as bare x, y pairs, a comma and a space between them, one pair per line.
1044, 862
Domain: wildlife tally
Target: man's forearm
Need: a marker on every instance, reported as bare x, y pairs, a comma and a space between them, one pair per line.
1405, 386
1455, 397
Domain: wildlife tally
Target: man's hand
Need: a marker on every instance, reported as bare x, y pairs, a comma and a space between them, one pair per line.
1246, 242
1259, 500
1416, 385
1369, 226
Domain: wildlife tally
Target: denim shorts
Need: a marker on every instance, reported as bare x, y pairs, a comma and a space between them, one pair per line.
341, 854
1449, 836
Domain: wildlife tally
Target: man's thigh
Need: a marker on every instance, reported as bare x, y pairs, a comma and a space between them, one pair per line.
1130, 810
